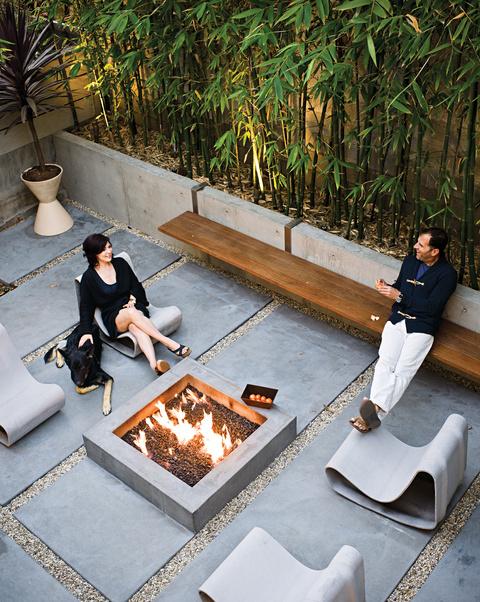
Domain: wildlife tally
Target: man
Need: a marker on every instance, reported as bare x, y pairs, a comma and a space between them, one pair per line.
420, 293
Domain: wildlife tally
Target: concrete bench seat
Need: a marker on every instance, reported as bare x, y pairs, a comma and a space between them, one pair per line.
456, 348
260, 570
24, 402
411, 485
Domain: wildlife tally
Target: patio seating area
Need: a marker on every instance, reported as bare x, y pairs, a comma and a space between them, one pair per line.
71, 530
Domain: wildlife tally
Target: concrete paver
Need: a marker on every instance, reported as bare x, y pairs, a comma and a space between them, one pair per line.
113, 537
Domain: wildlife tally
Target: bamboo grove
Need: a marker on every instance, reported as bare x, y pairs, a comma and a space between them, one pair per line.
365, 107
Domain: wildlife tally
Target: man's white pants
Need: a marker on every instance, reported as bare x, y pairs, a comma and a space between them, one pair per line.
400, 356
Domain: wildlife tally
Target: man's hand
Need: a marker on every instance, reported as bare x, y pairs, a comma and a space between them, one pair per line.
386, 290
84, 339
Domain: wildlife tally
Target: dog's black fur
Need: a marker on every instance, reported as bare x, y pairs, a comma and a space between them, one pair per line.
84, 364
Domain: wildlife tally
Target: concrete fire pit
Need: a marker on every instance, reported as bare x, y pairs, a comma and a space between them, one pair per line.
191, 506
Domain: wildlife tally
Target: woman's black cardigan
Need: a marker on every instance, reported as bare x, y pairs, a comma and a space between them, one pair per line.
93, 293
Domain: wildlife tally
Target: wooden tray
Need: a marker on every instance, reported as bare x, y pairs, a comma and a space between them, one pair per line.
259, 390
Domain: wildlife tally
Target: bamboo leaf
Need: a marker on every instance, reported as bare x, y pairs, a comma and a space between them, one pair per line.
307, 15
247, 13
385, 4
351, 4
420, 97
371, 48
309, 71
75, 69
277, 84
379, 11
336, 174
323, 7
401, 107
413, 21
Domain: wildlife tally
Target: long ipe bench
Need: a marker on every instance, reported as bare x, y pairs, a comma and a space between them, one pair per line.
456, 348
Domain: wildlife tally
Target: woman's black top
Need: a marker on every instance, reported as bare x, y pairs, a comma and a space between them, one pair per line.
110, 298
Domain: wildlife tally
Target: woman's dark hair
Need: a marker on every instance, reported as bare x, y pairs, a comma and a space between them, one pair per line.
92, 246
438, 238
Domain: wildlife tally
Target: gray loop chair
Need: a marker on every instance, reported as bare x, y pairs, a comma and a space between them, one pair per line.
166, 320
260, 570
24, 402
412, 485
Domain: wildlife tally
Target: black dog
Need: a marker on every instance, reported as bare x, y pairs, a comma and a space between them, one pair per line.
84, 364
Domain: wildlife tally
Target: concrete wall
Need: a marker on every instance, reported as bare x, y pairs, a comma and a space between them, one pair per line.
146, 196
258, 222
120, 186
14, 196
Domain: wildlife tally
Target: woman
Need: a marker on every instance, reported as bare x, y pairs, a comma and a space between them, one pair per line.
110, 284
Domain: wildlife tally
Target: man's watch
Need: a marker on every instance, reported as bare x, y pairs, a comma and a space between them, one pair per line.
399, 298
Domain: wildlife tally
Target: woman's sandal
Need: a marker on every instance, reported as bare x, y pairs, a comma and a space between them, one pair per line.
162, 367
182, 351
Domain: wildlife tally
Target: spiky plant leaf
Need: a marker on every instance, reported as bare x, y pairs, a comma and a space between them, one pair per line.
29, 72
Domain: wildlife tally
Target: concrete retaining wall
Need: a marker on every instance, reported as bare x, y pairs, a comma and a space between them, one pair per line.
127, 189
146, 196
258, 222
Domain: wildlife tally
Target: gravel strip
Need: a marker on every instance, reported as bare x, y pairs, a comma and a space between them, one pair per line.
174, 567
436, 548
52, 563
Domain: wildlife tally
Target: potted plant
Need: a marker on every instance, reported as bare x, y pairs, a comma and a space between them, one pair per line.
28, 83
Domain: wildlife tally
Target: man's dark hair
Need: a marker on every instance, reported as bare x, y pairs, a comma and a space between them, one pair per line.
92, 246
438, 238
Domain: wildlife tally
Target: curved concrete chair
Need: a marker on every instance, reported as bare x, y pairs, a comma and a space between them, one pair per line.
24, 402
166, 319
412, 485
260, 570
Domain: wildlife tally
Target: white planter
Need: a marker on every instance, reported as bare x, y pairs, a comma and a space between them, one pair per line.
51, 217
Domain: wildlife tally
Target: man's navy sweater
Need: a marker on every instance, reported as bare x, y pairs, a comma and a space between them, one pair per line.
423, 300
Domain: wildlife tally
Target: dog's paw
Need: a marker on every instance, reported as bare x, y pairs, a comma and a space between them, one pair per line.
84, 390
106, 408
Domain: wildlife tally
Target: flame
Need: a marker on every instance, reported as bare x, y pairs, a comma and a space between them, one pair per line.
141, 442
216, 445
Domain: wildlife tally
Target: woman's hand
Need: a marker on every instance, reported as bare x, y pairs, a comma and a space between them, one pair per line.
131, 302
84, 339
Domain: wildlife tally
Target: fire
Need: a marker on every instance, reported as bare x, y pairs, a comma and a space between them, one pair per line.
216, 445
141, 442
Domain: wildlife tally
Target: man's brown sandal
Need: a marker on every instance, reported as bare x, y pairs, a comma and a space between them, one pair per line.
368, 419
361, 427
162, 367
368, 413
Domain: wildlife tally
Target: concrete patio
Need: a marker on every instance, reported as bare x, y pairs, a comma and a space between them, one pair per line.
70, 530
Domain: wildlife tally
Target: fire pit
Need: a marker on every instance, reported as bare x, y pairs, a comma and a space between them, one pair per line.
187, 444
190, 433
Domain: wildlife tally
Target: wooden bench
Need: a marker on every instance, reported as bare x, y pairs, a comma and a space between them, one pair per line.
456, 348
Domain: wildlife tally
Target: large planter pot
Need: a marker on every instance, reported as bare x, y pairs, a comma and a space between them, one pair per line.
51, 217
